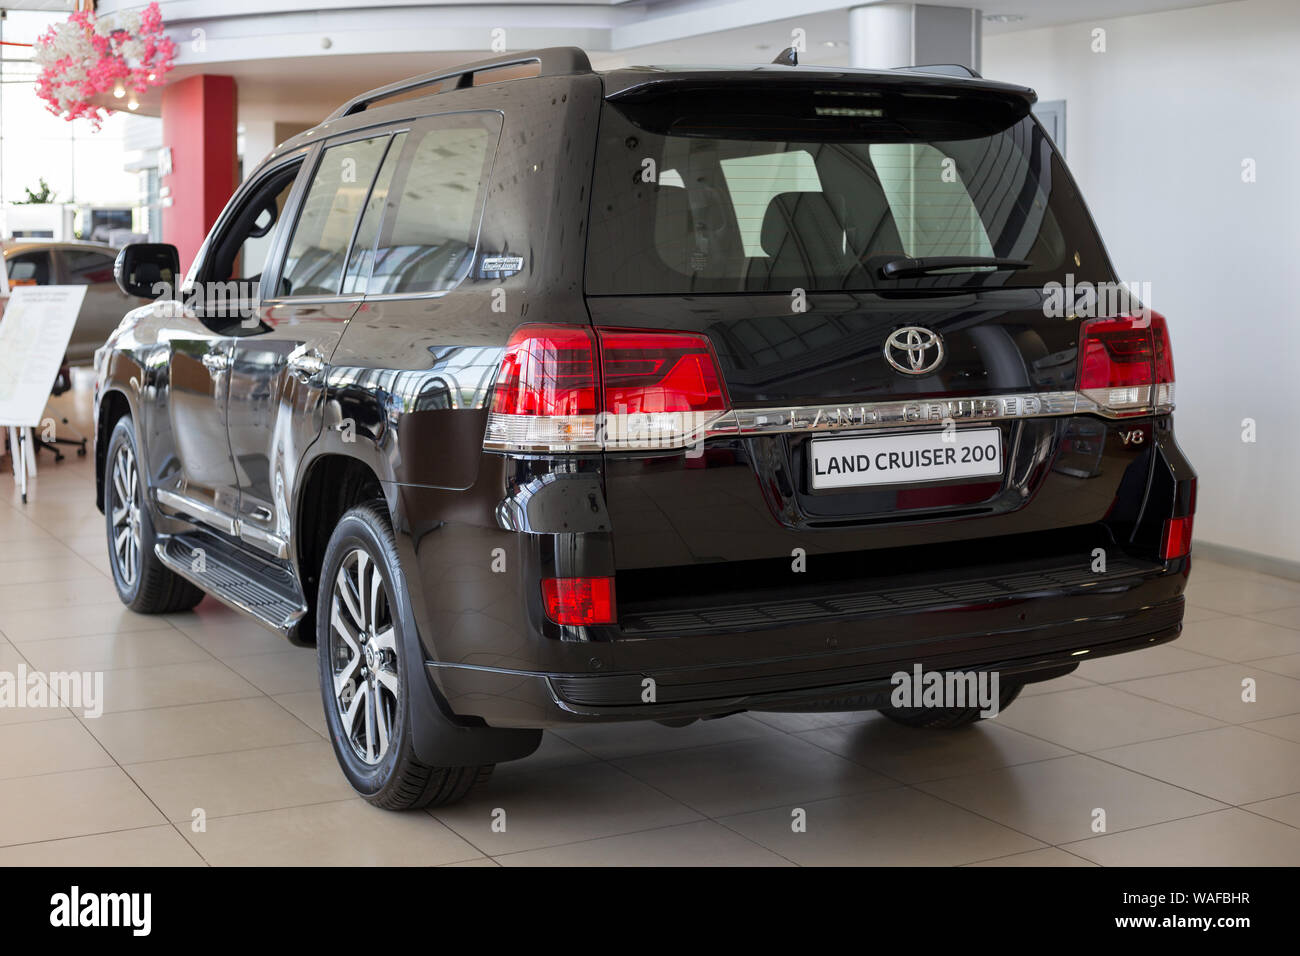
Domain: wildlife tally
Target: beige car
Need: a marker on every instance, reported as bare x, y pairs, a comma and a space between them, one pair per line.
45, 262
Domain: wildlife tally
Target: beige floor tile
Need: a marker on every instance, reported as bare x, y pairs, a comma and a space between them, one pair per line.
1285, 809
553, 752
1217, 692
1192, 613
57, 805
704, 843
245, 781
225, 633
56, 597
1148, 662
1048, 856
478, 861
286, 672
1231, 764
340, 833
1055, 685
733, 778
147, 846
107, 617
1287, 727
1054, 800
36, 568
635, 738
1227, 838
1286, 617
48, 746
898, 827
307, 707
103, 652
554, 807
1288, 665
1245, 595
1099, 716
1239, 639
909, 755
795, 723
170, 685
163, 733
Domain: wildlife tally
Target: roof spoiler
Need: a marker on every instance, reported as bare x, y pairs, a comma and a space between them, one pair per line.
552, 61
941, 69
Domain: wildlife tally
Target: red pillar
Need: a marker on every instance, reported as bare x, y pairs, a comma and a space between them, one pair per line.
198, 115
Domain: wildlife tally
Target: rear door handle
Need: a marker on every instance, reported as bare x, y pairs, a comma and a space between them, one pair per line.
305, 364
216, 362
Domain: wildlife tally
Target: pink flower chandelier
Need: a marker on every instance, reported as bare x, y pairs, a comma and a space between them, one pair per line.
86, 56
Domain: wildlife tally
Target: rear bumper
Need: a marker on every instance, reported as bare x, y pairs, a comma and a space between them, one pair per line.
1039, 624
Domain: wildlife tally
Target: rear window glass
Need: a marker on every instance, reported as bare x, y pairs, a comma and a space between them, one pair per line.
752, 206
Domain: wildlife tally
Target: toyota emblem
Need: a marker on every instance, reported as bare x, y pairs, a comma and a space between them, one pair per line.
914, 350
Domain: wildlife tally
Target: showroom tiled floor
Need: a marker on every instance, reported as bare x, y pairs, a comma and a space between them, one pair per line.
205, 711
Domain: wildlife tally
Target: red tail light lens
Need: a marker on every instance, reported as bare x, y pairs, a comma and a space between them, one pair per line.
567, 388
651, 372
547, 370
579, 600
1126, 364
1176, 540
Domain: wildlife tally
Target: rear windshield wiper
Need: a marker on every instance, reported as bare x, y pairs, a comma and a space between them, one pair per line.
905, 267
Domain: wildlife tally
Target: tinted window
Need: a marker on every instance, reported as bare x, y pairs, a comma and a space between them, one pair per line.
85, 268
29, 268
435, 201
314, 264
779, 202
363, 249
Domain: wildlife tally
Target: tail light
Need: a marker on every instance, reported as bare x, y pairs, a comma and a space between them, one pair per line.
579, 600
568, 388
1126, 364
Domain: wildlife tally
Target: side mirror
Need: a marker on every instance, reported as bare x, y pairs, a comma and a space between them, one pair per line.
142, 267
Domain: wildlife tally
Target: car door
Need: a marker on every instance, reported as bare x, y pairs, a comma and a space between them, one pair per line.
220, 304
278, 363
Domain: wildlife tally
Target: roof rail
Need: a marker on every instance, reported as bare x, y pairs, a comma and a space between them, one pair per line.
942, 69
552, 61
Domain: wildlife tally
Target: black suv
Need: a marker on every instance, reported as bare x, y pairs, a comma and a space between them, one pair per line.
533, 395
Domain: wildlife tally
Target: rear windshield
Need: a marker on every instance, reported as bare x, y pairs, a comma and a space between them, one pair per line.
691, 200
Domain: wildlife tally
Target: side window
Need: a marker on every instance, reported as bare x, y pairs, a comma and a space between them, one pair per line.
363, 247
29, 268
314, 264
435, 201
84, 267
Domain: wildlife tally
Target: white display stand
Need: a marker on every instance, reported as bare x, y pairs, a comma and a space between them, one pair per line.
34, 334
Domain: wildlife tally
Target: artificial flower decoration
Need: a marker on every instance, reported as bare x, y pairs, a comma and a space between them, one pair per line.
86, 56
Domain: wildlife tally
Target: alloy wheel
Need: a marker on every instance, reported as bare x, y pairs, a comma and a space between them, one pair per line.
125, 513
363, 657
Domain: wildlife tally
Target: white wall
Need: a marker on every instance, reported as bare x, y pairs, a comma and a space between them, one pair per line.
1157, 129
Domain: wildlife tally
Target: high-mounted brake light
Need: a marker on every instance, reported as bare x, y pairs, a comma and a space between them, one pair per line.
1126, 364
568, 388
579, 600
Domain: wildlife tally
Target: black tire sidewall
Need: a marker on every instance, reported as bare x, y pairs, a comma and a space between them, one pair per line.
357, 530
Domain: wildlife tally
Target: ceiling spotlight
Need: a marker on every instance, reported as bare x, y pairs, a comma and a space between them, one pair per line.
119, 90
133, 104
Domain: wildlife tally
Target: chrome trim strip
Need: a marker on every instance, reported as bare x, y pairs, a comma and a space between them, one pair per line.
264, 540
180, 504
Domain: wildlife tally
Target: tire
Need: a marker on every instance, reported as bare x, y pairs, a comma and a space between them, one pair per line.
364, 682
144, 584
947, 718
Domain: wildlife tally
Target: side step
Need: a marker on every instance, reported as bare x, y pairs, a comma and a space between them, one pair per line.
263, 591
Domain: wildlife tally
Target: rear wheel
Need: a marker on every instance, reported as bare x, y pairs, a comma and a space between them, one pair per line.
944, 718
360, 638
144, 583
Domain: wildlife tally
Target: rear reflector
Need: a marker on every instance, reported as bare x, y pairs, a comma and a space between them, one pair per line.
1126, 364
567, 388
579, 600
1176, 540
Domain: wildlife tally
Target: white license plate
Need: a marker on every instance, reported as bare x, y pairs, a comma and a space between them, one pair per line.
905, 459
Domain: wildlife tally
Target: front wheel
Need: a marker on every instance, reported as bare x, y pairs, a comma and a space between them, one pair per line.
144, 583
360, 638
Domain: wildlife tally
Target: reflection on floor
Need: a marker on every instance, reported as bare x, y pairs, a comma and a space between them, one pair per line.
207, 713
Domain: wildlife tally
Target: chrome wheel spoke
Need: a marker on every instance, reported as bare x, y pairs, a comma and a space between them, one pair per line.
388, 679
363, 657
